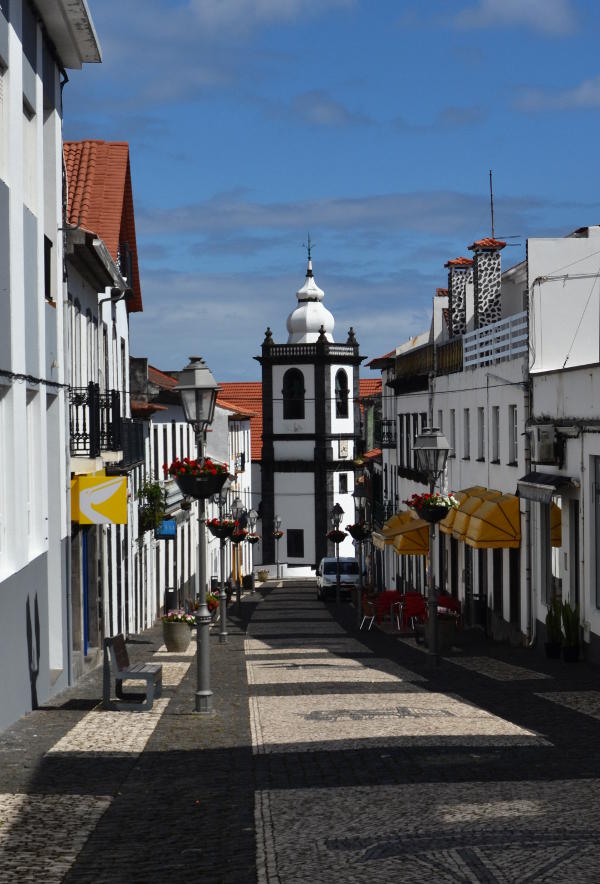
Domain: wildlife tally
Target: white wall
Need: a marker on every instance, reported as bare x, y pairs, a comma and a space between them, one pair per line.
564, 320
295, 503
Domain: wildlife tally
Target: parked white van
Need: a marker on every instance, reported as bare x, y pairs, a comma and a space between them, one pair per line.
327, 577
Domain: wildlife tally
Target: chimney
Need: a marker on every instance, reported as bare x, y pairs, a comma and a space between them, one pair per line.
460, 274
487, 280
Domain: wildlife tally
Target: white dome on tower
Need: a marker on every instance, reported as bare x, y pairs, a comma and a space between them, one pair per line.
304, 323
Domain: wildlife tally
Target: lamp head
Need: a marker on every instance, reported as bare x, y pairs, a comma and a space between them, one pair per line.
198, 390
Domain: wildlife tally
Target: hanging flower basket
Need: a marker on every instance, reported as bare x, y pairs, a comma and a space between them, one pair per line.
278, 535
336, 536
197, 478
238, 535
252, 539
359, 532
221, 528
432, 507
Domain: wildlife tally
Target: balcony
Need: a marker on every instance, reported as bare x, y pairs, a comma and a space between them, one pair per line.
385, 434
506, 339
449, 357
94, 421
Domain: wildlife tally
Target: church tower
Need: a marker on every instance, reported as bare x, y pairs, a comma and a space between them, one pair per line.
311, 424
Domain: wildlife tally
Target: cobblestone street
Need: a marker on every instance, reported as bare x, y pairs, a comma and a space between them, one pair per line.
332, 756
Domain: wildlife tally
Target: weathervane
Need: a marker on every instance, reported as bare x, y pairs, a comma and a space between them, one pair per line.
308, 246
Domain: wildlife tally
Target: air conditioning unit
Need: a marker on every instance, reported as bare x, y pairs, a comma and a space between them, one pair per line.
543, 444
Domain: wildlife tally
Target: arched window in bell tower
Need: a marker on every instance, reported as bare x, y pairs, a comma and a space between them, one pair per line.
293, 394
341, 394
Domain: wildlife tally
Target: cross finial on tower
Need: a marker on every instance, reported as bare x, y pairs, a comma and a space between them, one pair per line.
308, 246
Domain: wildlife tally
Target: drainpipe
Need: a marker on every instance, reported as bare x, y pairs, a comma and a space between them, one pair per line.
526, 542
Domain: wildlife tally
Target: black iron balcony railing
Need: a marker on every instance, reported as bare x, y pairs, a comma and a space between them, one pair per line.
132, 440
94, 421
385, 434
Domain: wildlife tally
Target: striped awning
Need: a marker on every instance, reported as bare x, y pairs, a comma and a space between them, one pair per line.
394, 524
413, 538
468, 507
555, 525
447, 524
495, 524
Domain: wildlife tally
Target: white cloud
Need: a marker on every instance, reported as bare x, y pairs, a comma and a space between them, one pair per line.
243, 15
552, 17
317, 108
585, 95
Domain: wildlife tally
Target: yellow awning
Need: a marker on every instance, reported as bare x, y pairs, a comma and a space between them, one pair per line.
413, 538
467, 508
555, 525
495, 524
446, 524
385, 537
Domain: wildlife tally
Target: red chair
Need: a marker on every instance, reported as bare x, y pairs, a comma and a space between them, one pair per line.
411, 609
369, 612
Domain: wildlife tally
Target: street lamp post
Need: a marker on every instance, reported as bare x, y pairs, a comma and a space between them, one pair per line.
277, 529
359, 500
220, 499
431, 453
336, 520
198, 390
239, 514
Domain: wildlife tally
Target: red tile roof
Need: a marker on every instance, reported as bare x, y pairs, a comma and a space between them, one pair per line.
100, 199
145, 409
369, 387
246, 396
233, 407
155, 376
487, 245
441, 293
459, 262
380, 361
373, 454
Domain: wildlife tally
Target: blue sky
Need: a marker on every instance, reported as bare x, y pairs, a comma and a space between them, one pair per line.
371, 124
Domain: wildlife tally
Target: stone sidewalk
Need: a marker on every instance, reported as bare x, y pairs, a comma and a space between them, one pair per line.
332, 756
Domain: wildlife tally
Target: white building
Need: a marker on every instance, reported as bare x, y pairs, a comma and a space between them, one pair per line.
310, 427
564, 426
468, 376
37, 42
102, 292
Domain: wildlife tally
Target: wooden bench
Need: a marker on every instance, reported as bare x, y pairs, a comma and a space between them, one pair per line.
117, 658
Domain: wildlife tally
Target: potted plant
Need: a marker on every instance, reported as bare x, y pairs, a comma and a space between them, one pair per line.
221, 528
262, 574
336, 536
199, 478
212, 603
277, 535
253, 538
570, 623
177, 630
553, 629
151, 512
432, 507
359, 531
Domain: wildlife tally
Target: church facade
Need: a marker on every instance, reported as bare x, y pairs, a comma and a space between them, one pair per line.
311, 425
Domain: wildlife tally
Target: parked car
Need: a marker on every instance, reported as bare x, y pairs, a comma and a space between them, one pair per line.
327, 577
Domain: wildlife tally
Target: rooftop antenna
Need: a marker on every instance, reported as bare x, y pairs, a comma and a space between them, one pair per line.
492, 204
308, 246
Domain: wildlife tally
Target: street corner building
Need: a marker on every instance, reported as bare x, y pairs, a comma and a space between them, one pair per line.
38, 42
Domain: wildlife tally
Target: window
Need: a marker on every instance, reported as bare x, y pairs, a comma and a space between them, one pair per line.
29, 155
343, 487
341, 394
452, 439
480, 434
295, 543
401, 442
293, 394
496, 434
466, 434
513, 438
48, 269
440, 421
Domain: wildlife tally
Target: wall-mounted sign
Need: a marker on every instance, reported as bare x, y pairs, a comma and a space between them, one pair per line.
99, 500
167, 530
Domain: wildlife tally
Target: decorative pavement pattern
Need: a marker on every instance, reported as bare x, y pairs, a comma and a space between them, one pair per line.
332, 757
497, 669
586, 702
